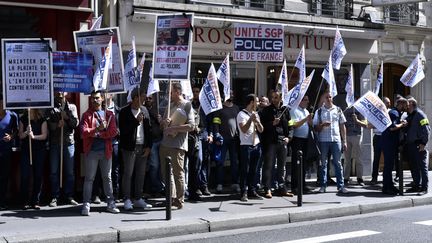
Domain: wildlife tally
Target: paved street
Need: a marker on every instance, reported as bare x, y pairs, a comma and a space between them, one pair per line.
218, 213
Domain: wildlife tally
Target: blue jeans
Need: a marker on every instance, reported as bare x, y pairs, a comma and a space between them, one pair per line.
115, 171
229, 145
335, 149
68, 170
37, 169
249, 156
153, 169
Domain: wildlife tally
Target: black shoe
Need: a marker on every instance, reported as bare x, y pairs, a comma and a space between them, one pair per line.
422, 192
205, 191
244, 197
254, 195
331, 182
360, 182
374, 181
198, 192
393, 191
195, 198
412, 190
3, 207
346, 182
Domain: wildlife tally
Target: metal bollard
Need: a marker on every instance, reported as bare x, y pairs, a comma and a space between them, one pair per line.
299, 178
168, 189
400, 173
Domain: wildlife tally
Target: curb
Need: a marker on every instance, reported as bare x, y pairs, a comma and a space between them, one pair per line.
306, 214
388, 204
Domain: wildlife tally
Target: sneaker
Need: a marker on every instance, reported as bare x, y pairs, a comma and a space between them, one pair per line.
85, 211
322, 190
343, 190
53, 203
219, 188
360, 181
71, 201
142, 204
97, 200
235, 188
128, 205
244, 198
112, 208
205, 191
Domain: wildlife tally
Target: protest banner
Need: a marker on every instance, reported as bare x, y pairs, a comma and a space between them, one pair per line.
27, 73
349, 88
209, 97
261, 43
72, 72
172, 46
374, 110
296, 94
414, 73
224, 76
95, 42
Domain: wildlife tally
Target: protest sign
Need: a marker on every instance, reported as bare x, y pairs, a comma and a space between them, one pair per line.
172, 46
72, 72
95, 42
263, 43
374, 110
27, 73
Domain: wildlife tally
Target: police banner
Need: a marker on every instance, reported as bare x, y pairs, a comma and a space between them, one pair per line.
298, 92
95, 42
223, 74
283, 82
414, 73
338, 51
209, 97
27, 73
328, 75
349, 88
374, 110
301, 64
258, 42
172, 46
72, 72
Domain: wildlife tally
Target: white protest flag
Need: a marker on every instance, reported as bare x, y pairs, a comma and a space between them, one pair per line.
297, 93
339, 51
414, 73
301, 64
186, 89
153, 86
283, 81
349, 88
140, 68
130, 78
100, 78
328, 75
223, 74
209, 97
97, 24
380, 79
374, 110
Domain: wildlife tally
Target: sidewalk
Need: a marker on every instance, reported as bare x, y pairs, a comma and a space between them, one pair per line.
216, 213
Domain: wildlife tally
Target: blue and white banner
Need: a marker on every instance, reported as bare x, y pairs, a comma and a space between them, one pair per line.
209, 95
140, 67
380, 79
349, 88
328, 75
298, 92
414, 73
72, 72
153, 86
301, 65
97, 24
130, 76
100, 78
224, 76
283, 82
374, 110
339, 51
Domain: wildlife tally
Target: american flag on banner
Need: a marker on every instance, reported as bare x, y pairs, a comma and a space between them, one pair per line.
301, 64
349, 88
223, 74
100, 78
380, 78
283, 82
328, 75
97, 24
339, 51
209, 97
414, 73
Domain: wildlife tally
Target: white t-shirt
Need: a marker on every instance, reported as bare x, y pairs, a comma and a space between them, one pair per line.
251, 135
298, 115
140, 128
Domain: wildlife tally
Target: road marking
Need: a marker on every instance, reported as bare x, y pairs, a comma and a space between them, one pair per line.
334, 237
427, 222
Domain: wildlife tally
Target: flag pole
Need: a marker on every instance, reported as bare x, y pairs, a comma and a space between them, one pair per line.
30, 142
292, 71
316, 99
61, 143
256, 79
169, 97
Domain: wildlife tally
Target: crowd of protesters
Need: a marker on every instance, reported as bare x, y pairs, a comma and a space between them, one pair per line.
125, 149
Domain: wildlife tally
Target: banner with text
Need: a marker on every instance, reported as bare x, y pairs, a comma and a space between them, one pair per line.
374, 110
95, 42
72, 72
262, 43
172, 46
27, 73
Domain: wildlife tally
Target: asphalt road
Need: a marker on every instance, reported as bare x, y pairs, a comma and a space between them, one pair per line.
402, 225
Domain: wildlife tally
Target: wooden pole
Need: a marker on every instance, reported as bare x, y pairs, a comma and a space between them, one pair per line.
169, 98
61, 144
30, 142
256, 78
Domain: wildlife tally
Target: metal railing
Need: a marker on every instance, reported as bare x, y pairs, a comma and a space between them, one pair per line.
263, 5
341, 9
406, 14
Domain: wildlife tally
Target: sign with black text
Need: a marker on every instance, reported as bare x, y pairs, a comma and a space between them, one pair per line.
263, 43
27, 73
172, 46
